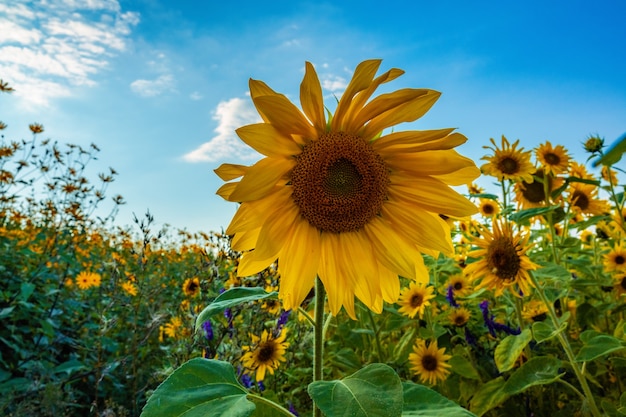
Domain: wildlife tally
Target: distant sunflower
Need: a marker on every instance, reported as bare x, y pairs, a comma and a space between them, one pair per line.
488, 208
578, 170
85, 280
620, 284
583, 198
508, 163
339, 198
609, 175
532, 194
429, 362
265, 353
414, 299
473, 188
553, 159
615, 259
459, 317
191, 287
460, 284
502, 260
129, 288
173, 328
535, 310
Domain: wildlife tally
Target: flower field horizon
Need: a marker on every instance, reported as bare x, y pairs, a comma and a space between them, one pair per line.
410, 280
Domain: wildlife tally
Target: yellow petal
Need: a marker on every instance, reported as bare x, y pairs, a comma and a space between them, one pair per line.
252, 214
389, 284
249, 264
428, 163
276, 228
406, 112
226, 190
418, 140
261, 179
267, 140
245, 241
336, 283
432, 195
461, 177
418, 226
258, 89
228, 172
285, 116
298, 263
362, 78
312, 100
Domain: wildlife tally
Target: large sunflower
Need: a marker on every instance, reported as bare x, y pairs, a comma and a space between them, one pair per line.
503, 262
532, 194
508, 162
553, 159
265, 354
429, 362
338, 198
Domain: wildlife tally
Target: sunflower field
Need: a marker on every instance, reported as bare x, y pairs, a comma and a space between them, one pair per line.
365, 273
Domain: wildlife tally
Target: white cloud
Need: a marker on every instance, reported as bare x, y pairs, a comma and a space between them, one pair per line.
153, 88
334, 83
196, 96
230, 115
50, 47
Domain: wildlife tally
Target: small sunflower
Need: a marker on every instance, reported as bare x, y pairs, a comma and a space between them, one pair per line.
553, 159
191, 287
414, 299
460, 284
532, 194
609, 175
129, 288
620, 284
36, 128
473, 188
615, 259
535, 310
265, 354
578, 170
429, 362
488, 208
503, 262
459, 317
583, 198
340, 199
86, 280
508, 163
271, 305
173, 328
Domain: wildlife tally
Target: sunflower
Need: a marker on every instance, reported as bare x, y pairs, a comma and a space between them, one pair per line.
129, 288
554, 160
414, 299
578, 170
340, 199
583, 198
265, 353
86, 280
473, 188
459, 316
504, 263
535, 310
508, 163
609, 175
620, 284
615, 259
488, 208
429, 362
191, 287
532, 194
460, 284
173, 328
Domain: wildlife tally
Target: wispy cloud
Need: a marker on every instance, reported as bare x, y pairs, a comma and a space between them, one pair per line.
230, 115
48, 48
152, 88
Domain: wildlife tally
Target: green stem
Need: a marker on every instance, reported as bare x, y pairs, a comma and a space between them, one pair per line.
376, 338
318, 352
567, 348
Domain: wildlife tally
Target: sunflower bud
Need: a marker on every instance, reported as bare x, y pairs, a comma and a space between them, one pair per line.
594, 144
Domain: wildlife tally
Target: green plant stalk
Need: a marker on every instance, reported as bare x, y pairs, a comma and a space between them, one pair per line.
567, 348
376, 336
548, 197
318, 348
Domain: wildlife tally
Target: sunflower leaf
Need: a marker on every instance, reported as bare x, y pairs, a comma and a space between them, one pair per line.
489, 396
508, 350
522, 217
423, 401
599, 346
614, 154
540, 370
232, 298
375, 390
200, 387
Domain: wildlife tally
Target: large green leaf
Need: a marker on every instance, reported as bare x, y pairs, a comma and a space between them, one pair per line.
199, 388
267, 408
544, 330
232, 298
462, 366
488, 396
508, 350
424, 402
614, 154
375, 390
598, 346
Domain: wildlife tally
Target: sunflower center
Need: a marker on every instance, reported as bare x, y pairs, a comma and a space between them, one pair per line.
623, 283
533, 191
503, 260
508, 166
429, 362
339, 183
459, 320
580, 200
458, 286
620, 260
416, 300
488, 209
552, 159
266, 352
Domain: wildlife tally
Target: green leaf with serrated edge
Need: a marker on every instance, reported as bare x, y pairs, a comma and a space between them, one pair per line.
508, 350
540, 370
267, 408
423, 401
375, 390
460, 365
598, 346
544, 330
488, 397
200, 387
231, 298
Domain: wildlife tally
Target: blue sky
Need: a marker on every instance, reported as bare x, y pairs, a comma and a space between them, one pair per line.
161, 85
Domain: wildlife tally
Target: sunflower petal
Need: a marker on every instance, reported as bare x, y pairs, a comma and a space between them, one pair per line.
362, 79
336, 283
261, 179
312, 100
228, 172
461, 177
226, 190
298, 264
284, 116
245, 241
434, 196
250, 264
429, 163
418, 141
267, 140
258, 89
276, 228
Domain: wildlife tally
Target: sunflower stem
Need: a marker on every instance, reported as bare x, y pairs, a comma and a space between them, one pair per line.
318, 352
376, 336
567, 348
